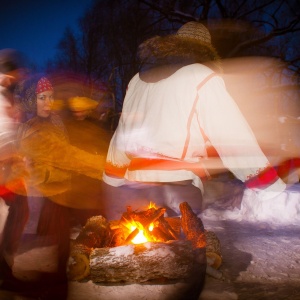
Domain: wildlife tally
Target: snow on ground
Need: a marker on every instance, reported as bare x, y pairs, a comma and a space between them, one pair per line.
259, 261
283, 209
260, 244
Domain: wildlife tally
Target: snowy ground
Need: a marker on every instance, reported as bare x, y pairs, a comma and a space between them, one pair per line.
259, 262
260, 247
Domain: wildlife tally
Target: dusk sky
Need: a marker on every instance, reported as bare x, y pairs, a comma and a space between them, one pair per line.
35, 27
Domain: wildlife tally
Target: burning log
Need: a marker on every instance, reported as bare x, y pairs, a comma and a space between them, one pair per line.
149, 216
192, 226
160, 231
145, 262
95, 233
194, 231
175, 223
160, 236
117, 237
165, 227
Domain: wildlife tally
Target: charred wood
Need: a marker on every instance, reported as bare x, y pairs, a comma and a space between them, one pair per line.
192, 226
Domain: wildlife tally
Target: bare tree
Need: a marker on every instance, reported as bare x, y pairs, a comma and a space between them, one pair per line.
104, 49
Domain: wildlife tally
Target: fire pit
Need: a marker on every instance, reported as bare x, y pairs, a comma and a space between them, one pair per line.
143, 247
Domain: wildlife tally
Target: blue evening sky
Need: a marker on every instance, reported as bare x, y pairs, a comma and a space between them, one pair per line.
35, 27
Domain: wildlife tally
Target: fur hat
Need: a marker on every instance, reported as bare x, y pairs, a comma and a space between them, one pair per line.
190, 44
26, 91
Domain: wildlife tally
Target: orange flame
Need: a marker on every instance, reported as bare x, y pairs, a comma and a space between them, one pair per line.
140, 237
152, 205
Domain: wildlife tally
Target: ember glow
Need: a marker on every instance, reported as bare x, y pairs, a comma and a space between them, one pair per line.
140, 237
146, 226
152, 205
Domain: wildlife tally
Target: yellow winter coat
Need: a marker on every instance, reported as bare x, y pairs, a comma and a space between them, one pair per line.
49, 160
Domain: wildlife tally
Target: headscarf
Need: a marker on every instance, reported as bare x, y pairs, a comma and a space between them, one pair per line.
26, 91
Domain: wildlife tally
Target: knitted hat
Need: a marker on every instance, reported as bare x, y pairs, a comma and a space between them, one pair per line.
82, 103
195, 30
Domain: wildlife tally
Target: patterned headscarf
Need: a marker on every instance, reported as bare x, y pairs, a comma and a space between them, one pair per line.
26, 91
43, 85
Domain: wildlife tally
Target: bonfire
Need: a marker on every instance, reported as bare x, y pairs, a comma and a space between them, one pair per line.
143, 246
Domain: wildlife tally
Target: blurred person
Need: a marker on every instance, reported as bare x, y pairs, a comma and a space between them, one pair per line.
12, 69
44, 141
85, 131
175, 109
288, 167
43, 144
82, 107
260, 98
